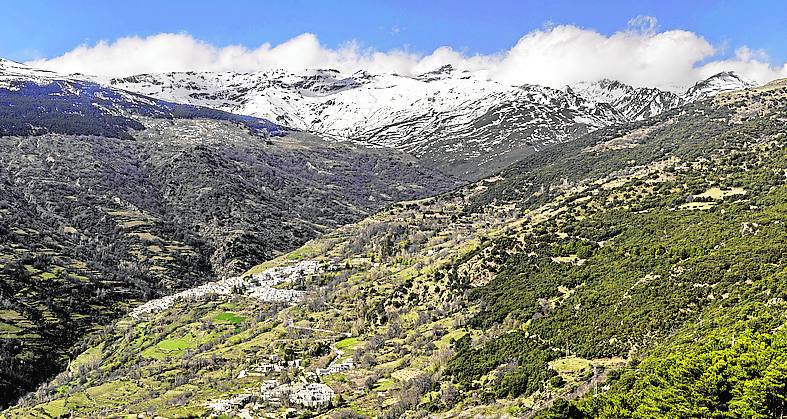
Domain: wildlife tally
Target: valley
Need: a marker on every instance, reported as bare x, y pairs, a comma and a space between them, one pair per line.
150, 199
635, 270
393, 210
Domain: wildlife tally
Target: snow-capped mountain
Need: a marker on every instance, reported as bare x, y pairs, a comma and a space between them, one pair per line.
722, 82
637, 103
16, 76
350, 106
633, 103
454, 120
35, 102
12, 73
464, 124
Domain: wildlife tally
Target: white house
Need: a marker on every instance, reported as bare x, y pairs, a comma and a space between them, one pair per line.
312, 395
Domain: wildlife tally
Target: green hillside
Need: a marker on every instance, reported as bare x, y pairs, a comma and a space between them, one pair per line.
639, 271
91, 226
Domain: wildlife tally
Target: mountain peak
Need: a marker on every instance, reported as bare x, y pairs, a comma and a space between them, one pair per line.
12, 72
447, 68
600, 91
13, 66
729, 77
724, 81
438, 73
632, 103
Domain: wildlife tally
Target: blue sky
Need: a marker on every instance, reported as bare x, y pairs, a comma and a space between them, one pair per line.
671, 44
43, 29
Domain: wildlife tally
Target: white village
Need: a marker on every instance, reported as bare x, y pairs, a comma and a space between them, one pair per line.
259, 285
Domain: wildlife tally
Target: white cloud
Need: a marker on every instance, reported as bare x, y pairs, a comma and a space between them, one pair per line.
554, 55
644, 24
751, 63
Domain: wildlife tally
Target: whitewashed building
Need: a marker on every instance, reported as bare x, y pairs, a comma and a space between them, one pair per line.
312, 395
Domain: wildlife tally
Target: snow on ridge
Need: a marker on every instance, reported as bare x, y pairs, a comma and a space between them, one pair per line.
602, 91
724, 81
449, 116
12, 71
357, 105
339, 105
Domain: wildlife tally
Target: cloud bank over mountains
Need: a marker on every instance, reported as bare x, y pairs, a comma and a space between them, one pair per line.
555, 55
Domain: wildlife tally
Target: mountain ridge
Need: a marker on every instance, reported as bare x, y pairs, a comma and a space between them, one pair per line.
433, 116
458, 122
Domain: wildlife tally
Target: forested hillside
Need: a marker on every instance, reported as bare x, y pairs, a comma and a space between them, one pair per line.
639, 271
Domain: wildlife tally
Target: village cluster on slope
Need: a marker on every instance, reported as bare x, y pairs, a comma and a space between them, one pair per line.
259, 285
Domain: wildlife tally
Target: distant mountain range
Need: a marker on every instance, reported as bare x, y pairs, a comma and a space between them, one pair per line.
454, 120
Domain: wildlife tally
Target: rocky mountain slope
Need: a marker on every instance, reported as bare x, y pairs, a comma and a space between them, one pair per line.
109, 198
637, 271
634, 104
455, 120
